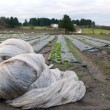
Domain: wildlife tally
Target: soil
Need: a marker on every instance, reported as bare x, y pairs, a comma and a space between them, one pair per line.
48, 31
102, 61
97, 96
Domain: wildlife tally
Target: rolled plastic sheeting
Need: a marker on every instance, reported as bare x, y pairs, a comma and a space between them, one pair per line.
81, 46
91, 42
13, 47
35, 41
42, 43
27, 82
97, 40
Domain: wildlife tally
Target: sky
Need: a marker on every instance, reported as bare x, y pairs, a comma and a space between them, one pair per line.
96, 10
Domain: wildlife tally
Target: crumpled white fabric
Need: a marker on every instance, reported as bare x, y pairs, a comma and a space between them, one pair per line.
12, 47
27, 82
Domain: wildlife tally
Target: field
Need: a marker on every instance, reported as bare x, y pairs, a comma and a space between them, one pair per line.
95, 31
87, 55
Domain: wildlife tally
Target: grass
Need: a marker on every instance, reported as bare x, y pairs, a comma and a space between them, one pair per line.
95, 31
101, 37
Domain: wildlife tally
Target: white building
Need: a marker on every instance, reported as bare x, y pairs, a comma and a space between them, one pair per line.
54, 25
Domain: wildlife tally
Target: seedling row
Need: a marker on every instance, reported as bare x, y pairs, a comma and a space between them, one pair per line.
61, 53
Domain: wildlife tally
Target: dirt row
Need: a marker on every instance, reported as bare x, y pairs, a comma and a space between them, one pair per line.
97, 83
98, 87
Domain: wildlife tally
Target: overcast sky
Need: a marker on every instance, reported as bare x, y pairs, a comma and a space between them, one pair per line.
97, 10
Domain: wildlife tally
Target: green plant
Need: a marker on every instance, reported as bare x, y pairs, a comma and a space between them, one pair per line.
59, 59
56, 53
66, 60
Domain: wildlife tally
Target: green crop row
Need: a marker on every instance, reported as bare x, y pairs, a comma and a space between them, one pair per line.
56, 53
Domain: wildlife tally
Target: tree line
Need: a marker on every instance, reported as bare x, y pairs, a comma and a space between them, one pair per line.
84, 22
40, 22
48, 22
13, 22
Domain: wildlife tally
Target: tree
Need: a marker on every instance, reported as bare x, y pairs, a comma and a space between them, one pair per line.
84, 22
2, 24
93, 24
25, 23
77, 22
11, 22
33, 22
5, 22
60, 25
16, 22
67, 24
42, 21
54, 21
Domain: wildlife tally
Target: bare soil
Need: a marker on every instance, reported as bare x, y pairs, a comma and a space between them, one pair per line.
97, 96
102, 61
97, 83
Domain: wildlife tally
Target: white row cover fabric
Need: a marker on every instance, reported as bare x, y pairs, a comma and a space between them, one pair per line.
13, 47
27, 82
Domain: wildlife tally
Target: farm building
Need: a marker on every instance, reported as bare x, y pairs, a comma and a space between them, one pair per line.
54, 25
